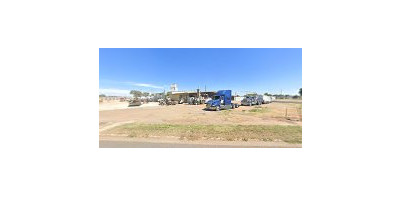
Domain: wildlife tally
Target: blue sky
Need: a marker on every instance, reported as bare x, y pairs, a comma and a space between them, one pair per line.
241, 70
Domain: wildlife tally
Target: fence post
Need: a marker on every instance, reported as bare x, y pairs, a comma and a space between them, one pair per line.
286, 112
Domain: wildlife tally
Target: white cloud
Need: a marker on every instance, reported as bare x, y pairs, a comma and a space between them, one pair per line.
147, 85
114, 92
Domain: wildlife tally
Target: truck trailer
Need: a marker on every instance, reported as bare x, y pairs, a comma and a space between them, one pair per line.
267, 99
221, 100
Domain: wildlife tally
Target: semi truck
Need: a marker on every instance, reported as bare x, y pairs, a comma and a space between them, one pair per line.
221, 100
252, 100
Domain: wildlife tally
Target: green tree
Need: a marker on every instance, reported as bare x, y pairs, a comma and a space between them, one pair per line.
146, 94
102, 95
136, 93
251, 94
300, 92
266, 94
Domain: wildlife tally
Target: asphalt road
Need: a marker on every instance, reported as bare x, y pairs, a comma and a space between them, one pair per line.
133, 144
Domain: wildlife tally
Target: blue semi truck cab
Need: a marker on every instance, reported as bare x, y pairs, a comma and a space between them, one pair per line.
221, 100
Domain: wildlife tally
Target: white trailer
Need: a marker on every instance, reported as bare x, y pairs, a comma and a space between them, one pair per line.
267, 99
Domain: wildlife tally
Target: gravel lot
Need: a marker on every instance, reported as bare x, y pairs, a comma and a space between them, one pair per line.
267, 114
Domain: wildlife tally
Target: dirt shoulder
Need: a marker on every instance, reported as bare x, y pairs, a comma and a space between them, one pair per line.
224, 132
122, 142
115, 105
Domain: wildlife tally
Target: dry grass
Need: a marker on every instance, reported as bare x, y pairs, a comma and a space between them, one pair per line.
286, 111
290, 134
259, 109
300, 111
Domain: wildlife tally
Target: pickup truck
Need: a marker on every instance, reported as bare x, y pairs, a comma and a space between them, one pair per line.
221, 100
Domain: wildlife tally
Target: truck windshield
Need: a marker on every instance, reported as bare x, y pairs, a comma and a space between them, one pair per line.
216, 98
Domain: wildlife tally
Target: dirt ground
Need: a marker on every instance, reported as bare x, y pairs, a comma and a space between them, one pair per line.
116, 113
114, 104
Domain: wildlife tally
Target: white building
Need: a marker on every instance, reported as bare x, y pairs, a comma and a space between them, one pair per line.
174, 87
